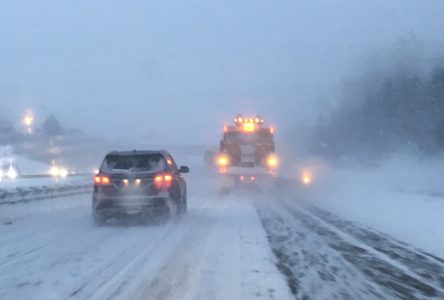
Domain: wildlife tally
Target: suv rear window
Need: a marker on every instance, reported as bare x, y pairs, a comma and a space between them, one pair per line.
131, 163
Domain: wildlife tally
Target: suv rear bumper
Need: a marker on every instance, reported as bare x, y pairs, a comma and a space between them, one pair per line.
114, 206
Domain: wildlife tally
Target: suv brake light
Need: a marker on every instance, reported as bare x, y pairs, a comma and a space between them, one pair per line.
164, 180
104, 180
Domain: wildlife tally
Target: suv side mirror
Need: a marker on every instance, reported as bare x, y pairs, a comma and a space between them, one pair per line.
184, 169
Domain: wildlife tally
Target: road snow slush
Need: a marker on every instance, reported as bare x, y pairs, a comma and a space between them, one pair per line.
325, 257
52, 250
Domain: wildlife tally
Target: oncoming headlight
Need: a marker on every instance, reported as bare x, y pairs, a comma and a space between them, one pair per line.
63, 172
12, 173
56, 171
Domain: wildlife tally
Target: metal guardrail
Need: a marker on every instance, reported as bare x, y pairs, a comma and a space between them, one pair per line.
22, 194
48, 175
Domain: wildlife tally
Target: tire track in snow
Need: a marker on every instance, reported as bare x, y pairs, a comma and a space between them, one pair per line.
390, 277
176, 275
142, 264
67, 255
430, 268
386, 264
313, 269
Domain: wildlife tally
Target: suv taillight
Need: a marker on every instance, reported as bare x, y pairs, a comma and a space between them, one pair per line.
101, 180
163, 180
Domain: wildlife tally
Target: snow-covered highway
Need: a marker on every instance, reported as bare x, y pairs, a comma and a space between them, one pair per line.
51, 249
245, 245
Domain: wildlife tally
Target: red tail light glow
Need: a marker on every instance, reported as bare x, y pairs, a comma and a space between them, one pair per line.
163, 180
101, 180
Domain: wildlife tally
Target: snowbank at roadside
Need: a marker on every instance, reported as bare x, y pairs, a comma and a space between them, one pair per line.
31, 189
30, 167
25, 165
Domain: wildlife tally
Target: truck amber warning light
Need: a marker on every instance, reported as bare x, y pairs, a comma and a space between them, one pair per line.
248, 124
248, 127
238, 120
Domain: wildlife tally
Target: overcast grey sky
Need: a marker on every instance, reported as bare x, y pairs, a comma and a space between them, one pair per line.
131, 68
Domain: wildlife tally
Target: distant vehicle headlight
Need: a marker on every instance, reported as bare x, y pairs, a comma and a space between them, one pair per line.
12, 173
63, 172
54, 171
306, 177
57, 171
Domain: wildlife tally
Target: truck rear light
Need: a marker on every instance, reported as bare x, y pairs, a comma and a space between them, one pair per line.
252, 178
242, 178
272, 161
104, 180
164, 180
222, 160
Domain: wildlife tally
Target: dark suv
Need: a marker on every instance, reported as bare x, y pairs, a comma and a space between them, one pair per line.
144, 183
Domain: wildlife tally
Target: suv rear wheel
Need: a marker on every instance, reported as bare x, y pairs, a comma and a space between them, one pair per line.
181, 204
183, 209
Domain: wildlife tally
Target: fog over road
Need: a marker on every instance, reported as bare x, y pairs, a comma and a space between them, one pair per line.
314, 132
